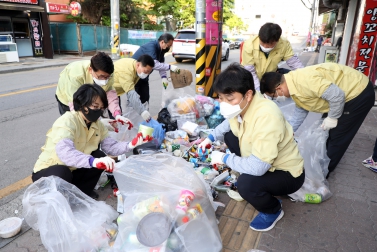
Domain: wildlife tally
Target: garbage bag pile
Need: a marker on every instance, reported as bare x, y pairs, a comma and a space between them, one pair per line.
68, 219
167, 206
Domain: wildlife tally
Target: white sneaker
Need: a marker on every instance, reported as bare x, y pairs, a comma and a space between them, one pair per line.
370, 163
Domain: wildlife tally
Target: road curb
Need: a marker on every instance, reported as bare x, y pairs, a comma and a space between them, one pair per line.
23, 69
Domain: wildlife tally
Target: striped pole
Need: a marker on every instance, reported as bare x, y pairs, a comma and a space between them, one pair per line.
200, 61
200, 46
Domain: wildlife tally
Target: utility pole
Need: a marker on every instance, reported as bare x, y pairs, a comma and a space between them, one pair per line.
311, 23
115, 29
200, 41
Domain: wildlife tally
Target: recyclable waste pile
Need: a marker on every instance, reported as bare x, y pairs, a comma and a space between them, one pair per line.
167, 206
68, 219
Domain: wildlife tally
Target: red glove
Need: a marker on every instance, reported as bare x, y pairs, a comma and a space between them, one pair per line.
104, 163
138, 140
123, 120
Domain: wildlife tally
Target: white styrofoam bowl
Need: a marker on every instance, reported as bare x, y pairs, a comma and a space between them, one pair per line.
10, 227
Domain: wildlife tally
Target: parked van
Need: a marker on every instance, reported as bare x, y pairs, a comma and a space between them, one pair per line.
184, 46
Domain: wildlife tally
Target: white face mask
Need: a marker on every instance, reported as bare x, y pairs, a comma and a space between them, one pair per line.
142, 75
266, 50
280, 98
100, 82
229, 111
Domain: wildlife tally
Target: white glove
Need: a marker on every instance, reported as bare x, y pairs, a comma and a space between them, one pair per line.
217, 157
104, 163
165, 82
329, 123
146, 116
124, 120
174, 68
110, 124
203, 144
138, 140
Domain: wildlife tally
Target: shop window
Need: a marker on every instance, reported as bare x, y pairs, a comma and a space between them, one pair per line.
5, 26
21, 28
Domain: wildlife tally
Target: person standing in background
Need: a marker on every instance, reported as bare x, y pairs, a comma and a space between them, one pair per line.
156, 49
264, 52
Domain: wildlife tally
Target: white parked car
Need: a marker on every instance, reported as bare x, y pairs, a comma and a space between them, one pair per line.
184, 46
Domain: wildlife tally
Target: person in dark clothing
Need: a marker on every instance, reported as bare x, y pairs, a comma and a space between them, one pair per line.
156, 49
319, 43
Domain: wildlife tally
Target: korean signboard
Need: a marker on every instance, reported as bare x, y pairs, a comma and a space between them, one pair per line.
57, 8
36, 37
21, 1
366, 43
141, 34
213, 20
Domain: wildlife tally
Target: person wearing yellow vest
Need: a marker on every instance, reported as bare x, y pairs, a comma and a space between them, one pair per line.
127, 73
71, 148
261, 144
343, 94
99, 69
264, 52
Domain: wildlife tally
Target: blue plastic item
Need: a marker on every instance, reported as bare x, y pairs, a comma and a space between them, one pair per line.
158, 133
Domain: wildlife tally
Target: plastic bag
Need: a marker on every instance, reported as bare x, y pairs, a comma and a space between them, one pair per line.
207, 103
165, 118
170, 94
182, 105
312, 147
216, 118
165, 189
124, 133
158, 133
68, 219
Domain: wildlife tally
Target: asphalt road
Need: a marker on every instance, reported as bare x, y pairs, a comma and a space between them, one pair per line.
28, 109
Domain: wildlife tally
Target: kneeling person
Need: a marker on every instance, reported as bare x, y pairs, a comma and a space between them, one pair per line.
71, 148
262, 146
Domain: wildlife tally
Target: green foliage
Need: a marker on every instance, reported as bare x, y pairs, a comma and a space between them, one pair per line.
235, 22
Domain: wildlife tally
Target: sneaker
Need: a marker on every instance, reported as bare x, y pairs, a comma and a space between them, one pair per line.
265, 222
369, 163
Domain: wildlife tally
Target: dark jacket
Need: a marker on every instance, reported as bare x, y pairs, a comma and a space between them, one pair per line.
153, 49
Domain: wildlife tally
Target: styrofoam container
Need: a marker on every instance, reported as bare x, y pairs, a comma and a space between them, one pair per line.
10, 227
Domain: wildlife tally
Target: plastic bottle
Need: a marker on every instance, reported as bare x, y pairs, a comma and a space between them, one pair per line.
313, 198
192, 213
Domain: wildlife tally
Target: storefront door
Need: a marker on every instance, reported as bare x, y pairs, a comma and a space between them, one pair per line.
21, 29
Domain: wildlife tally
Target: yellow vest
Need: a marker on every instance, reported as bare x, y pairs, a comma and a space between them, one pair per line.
125, 75
265, 134
71, 126
307, 85
252, 55
74, 76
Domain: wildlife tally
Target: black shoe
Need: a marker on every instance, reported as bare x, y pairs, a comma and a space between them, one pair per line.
94, 195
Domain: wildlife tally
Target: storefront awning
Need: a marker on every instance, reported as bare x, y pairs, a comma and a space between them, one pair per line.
21, 7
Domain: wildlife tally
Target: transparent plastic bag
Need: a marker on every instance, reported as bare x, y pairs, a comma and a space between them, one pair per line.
168, 187
124, 134
170, 94
182, 105
312, 147
68, 219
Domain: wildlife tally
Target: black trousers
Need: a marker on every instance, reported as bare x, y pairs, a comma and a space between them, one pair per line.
83, 178
62, 107
142, 88
349, 123
259, 191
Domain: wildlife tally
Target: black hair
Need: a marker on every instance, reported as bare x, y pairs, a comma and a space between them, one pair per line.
166, 37
269, 33
102, 61
146, 60
235, 78
87, 94
270, 81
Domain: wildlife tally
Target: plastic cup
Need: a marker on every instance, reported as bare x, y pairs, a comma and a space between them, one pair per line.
184, 201
153, 229
145, 130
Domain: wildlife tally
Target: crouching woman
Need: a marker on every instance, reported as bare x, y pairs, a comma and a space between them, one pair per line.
71, 148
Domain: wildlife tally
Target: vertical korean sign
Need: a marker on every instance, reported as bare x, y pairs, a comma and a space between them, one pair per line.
213, 21
367, 40
36, 38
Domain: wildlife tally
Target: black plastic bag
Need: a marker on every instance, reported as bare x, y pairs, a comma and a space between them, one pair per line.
164, 118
